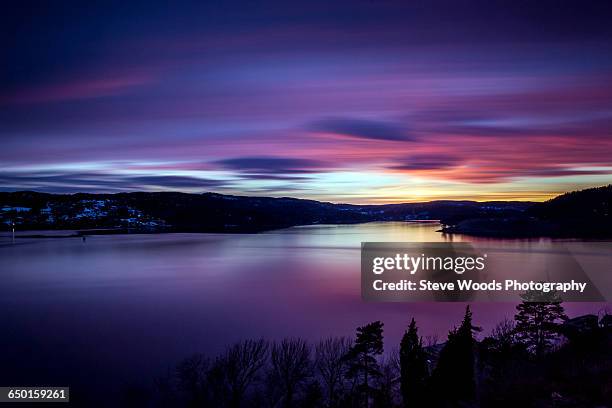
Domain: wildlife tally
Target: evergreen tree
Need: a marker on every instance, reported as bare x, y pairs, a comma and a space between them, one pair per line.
537, 320
363, 358
413, 368
453, 378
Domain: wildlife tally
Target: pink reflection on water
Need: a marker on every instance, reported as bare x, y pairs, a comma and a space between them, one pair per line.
126, 306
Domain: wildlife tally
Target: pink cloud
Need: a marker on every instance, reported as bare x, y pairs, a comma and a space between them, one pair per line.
81, 88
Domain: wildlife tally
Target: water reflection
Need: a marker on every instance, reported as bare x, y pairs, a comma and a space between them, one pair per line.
125, 307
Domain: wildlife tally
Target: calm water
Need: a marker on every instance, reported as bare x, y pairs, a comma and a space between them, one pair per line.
124, 308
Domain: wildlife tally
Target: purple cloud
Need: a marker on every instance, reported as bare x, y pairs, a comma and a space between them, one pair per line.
428, 162
361, 128
271, 165
102, 182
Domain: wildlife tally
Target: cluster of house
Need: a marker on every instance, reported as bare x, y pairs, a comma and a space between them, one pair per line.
82, 211
11, 215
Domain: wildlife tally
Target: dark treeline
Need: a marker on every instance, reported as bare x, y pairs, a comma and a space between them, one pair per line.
579, 214
209, 212
538, 359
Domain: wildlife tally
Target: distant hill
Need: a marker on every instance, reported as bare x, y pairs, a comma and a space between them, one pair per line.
583, 213
210, 212
578, 214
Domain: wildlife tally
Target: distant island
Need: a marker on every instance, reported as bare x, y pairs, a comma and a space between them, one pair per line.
577, 214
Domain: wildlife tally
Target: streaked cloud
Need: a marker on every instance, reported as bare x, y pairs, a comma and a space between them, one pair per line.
272, 165
361, 128
428, 162
76, 89
344, 101
49, 181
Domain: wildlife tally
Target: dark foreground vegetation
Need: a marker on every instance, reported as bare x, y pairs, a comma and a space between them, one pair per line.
579, 214
538, 359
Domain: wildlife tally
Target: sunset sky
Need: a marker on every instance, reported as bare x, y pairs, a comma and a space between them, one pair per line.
345, 101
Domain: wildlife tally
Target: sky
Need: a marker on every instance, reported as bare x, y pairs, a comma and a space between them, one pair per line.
361, 101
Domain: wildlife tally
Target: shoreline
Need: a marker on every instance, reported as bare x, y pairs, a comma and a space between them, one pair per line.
52, 233
444, 230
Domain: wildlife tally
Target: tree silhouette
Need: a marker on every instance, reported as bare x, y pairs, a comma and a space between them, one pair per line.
537, 320
362, 356
504, 334
191, 376
356, 376
331, 365
413, 368
502, 361
238, 368
453, 377
387, 384
290, 369
501, 345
